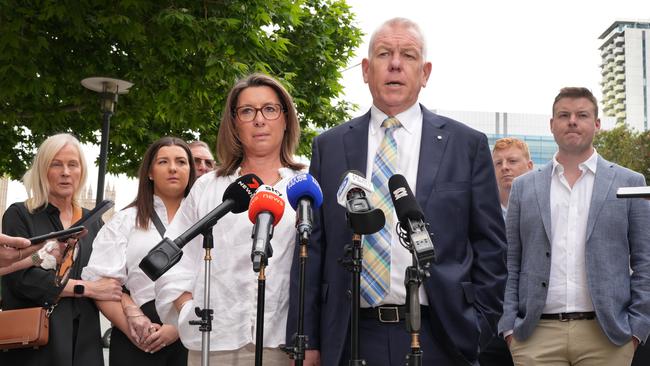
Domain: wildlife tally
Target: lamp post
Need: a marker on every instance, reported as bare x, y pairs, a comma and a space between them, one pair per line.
109, 89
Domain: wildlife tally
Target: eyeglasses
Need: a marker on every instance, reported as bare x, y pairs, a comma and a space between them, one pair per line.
209, 163
270, 112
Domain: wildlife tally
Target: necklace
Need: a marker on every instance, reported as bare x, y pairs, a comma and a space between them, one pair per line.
276, 181
271, 184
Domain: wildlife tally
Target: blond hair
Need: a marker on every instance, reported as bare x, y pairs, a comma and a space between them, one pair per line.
35, 179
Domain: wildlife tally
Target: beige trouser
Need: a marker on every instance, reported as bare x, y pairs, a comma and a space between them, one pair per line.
575, 343
244, 356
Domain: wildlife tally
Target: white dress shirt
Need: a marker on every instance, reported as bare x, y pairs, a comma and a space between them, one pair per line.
120, 246
408, 156
233, 287
568, 290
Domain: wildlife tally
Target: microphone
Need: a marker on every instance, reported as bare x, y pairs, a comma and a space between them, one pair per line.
411, 219
265, 211
362, 217
304, 195
167, 253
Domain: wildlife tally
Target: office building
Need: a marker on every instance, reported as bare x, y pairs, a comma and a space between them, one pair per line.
625, 70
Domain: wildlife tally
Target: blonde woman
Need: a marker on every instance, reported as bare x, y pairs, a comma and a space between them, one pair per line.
53, 183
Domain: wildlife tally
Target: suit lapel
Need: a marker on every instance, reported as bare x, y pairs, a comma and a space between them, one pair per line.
602, 184
432, 147
355, 143
543, 193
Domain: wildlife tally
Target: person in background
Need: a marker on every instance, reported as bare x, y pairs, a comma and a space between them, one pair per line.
578, 258
259, 134
449, 169
511, 159
139, 337
54, 182
203, 159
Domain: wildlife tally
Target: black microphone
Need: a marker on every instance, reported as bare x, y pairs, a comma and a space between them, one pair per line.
411, 219
167, 253
362, 217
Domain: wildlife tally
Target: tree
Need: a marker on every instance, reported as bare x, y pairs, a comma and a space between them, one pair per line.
182, 56
626, 147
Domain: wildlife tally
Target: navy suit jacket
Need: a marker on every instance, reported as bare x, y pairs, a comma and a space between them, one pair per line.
457, 190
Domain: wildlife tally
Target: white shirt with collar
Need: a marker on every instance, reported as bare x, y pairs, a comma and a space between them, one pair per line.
408, 139
233, 286
568, 290
118, 249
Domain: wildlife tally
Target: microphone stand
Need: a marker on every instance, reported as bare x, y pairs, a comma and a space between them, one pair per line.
354, 265
412, 282
261, 287
297, 351
413, 278
205, 324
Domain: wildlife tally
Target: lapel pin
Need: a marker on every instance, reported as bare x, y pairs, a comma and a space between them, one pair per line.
439, 137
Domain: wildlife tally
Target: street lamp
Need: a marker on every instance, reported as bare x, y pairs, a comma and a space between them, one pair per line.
109, 89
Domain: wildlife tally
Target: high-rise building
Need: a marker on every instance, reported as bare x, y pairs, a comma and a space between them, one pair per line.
625, 69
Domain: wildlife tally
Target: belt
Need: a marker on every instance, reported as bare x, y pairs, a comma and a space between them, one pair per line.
565, 317
387, 313
384, 313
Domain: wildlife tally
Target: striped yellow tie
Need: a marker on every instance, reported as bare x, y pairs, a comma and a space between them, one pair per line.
375, 277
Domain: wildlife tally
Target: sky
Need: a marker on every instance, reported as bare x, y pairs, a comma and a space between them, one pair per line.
494, 56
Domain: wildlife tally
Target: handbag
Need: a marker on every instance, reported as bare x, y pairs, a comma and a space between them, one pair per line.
24, 328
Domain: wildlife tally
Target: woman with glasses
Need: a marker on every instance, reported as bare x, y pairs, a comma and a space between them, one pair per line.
54, 182
203, 160
258, 134
138, 336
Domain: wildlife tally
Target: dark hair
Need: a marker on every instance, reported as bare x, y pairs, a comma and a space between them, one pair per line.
144, 200
575, 93
230, 152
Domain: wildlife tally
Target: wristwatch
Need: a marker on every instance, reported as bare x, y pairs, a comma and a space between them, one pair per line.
78, 290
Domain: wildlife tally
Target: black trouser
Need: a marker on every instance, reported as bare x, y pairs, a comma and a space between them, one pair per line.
496, 354
123, 352
642, 356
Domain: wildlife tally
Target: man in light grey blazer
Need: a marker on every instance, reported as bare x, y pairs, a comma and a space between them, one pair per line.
578, 288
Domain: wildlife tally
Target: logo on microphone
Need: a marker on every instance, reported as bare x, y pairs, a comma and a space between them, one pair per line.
254, 185
399, 193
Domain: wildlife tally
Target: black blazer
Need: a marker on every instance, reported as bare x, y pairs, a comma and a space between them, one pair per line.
456, 187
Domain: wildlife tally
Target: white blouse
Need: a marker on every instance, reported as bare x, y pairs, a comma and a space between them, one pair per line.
233, 288
120, 246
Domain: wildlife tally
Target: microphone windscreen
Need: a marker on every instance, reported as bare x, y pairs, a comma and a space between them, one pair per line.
304, 185
404, 201
241, 191
266, 199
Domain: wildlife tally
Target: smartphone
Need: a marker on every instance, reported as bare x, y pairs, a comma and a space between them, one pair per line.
633, 192
94, 214
61, 235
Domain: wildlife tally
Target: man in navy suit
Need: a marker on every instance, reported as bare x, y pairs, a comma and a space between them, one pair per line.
449, 167
578, 288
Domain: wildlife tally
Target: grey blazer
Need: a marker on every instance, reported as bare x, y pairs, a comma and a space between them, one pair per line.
617, 254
